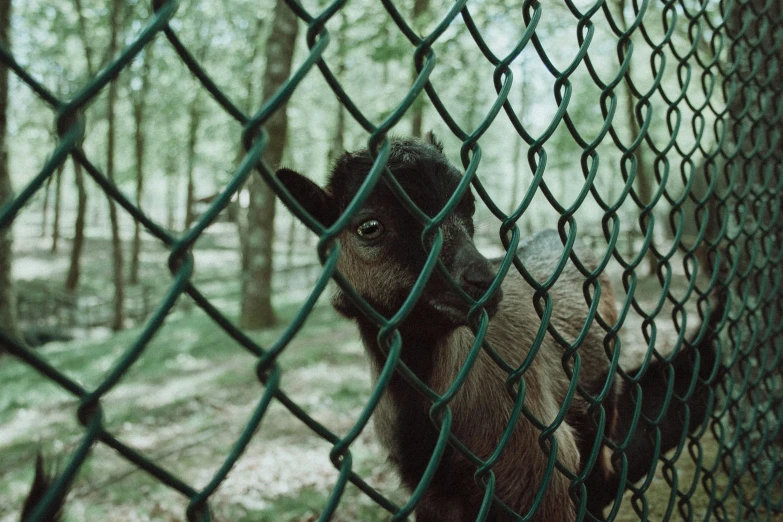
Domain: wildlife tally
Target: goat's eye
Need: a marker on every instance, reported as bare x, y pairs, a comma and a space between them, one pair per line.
371, 229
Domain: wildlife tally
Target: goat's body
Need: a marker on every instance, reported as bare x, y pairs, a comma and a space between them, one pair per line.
482, 407
384, 250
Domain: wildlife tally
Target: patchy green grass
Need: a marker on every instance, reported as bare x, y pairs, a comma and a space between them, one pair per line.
691, 500
187, 400
183, 405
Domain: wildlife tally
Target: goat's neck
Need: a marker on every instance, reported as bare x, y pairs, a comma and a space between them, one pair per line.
419, 347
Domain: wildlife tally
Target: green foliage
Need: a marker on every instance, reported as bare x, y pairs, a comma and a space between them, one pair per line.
587, 101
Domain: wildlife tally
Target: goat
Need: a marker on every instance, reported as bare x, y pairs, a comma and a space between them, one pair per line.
38, 489
382, 256
692, 370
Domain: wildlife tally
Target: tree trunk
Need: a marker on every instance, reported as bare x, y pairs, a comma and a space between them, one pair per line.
257, 309
58, 183
239, 214
516, 182
241, 222
77, 246
338, 138
420, 7
84, 33
8, 322
417, 117
643, 174
45, 209
138, 110
138, 119
517, 163
116, 241
172, 189
195, 122
289, 254
74, 270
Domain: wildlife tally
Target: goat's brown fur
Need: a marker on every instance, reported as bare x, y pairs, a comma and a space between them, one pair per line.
436, 343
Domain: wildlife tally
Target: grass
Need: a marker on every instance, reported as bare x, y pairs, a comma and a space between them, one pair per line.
183, 405
185, 402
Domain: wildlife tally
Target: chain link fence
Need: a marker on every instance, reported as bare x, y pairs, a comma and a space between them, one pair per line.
723, 214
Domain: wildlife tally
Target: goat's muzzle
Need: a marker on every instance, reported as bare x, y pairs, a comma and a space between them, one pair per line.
475, 275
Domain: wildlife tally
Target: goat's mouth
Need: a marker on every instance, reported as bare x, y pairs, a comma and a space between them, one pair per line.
455, 309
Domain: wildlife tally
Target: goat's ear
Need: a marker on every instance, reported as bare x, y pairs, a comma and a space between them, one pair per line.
432, 140
315, 200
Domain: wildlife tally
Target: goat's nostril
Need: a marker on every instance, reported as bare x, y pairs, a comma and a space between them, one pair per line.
472, 271
481, 285
477, 280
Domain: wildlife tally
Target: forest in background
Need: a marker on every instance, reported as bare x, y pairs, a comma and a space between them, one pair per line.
170, 147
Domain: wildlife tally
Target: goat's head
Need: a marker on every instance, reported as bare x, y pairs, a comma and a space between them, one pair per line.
383, 252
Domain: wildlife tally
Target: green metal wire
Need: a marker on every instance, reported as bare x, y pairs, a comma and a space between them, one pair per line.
733, 57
